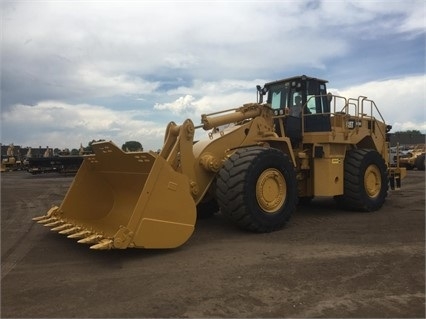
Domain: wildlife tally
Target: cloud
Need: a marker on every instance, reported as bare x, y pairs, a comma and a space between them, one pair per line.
182, 104
107, 48
58, 124
63, 125
97, 84
121, 70
401, 101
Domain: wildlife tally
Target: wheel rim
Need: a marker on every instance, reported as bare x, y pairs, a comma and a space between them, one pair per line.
372, 181
271, 190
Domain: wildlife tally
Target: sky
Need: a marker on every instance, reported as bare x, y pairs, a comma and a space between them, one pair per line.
77, 71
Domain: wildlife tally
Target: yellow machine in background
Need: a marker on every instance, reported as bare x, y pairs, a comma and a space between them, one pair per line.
256, 162
414, 158
11, 162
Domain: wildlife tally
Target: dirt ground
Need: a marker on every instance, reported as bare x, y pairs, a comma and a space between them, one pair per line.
324, 263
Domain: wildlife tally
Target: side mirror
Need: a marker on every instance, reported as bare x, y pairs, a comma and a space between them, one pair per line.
260, 93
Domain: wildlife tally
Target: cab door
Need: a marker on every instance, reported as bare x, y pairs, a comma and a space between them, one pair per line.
317, 111
281, 97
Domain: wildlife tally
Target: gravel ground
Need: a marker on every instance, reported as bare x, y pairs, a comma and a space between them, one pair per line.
324, 263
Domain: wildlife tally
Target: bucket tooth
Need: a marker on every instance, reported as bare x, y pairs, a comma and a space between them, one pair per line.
49, 214
47, 220
54, 224
70, 230
104, 244
80, 234
36, 219
62, 227
90, 239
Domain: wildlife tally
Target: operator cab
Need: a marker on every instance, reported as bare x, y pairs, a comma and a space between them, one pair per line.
298, 98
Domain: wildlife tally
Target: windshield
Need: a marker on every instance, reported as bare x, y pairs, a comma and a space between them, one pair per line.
288, 96
278, 96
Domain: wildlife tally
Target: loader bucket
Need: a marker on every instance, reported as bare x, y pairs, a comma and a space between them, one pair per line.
121, 200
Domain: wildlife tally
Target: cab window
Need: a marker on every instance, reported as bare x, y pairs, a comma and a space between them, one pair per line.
278, 96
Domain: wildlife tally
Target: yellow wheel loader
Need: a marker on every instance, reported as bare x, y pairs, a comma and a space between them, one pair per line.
254, 164
415, 158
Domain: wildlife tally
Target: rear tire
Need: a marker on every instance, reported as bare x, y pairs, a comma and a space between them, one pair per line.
256, 188
366, 181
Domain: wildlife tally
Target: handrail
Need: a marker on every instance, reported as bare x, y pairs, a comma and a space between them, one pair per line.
373, 107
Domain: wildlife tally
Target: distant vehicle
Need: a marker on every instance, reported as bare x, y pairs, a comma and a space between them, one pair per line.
62, 163
393, 154
56, 164
10, 162
414, 158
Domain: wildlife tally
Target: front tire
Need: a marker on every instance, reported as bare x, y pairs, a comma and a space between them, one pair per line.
257, 189
366, 181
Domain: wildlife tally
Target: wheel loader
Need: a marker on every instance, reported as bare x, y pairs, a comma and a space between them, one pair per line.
296, 142
414, 158
11, 162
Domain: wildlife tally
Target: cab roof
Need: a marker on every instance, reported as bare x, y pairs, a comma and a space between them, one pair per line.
299, 77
